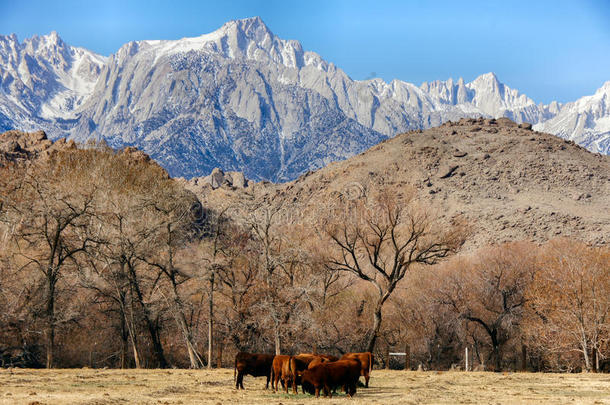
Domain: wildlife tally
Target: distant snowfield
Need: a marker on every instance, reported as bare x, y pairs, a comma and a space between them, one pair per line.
241, 98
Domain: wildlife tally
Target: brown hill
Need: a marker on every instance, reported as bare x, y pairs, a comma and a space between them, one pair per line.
509, 182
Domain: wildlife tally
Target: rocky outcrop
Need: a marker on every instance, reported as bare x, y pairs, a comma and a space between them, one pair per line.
217, 179
16, 146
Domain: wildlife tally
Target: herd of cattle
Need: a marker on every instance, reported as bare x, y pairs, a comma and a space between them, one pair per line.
314, 372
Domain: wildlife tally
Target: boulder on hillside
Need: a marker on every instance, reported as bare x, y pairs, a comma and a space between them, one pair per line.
446, 170
238, 180
218, 178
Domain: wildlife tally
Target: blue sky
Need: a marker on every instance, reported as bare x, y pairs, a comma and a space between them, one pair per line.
549, 50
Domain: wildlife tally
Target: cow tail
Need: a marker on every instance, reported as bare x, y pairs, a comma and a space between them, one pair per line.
370, 362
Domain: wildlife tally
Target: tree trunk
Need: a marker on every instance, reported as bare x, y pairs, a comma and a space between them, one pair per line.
219, 356
194, 358
597, 361
376, 328
276, 332
153, 329
387, 357
180, 318
585, 352
211, 319
50, 315
594, 360
130, 326
136, 355
124, 341
497, 362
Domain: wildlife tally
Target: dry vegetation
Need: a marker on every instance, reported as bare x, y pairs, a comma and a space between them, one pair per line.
105, 261
87, 386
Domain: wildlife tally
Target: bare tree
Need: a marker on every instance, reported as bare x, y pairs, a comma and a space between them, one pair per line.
380, 242
171, 214
488, 290
569, 302
52, 210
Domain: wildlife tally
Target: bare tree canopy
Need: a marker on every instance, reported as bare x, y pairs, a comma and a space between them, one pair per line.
380, 240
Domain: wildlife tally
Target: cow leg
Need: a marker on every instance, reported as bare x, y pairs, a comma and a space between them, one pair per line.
366, 380
327, 391
317, 392
352, 390
240, 380
267, 386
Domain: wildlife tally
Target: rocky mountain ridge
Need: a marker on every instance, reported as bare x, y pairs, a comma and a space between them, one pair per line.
242, 99
18, 147
508, 181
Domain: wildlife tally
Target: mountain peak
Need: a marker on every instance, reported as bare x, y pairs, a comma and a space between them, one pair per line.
488, 78
255, 22
253, 27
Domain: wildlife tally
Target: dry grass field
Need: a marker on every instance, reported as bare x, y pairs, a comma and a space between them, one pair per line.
87, 386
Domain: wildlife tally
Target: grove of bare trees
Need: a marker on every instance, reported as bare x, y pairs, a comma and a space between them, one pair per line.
105, 261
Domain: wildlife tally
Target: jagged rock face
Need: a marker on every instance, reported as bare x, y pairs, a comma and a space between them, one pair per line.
44, 78
243, 99
193, 111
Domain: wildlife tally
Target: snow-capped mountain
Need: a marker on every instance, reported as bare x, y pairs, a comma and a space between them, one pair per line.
44, 78
241, 98
586, 121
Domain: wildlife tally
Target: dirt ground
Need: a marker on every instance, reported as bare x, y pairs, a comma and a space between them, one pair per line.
88, 386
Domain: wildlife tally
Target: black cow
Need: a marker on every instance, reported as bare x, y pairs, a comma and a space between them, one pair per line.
255, 364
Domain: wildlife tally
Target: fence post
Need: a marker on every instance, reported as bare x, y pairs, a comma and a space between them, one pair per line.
407, 357
466, 358
523, 358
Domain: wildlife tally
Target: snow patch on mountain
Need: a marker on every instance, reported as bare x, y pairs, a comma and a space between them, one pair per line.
46, 77
243, 99
585, 121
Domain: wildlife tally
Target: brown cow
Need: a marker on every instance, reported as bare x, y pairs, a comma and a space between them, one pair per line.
366, 359
325, 356
328, 357
300, 363
330, 375
316, 361
255, 364
280, 368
